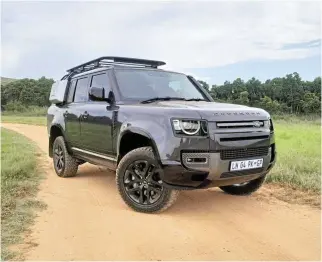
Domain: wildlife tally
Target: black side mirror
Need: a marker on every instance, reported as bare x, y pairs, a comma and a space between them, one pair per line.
98, 94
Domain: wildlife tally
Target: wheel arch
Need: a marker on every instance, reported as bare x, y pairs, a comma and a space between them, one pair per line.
55, 131
133, 138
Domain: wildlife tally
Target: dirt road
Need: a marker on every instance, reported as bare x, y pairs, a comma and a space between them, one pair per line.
87, 220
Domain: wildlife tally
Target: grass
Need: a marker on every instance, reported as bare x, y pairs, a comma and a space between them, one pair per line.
31, 120
17, 109
298, 146
19, 185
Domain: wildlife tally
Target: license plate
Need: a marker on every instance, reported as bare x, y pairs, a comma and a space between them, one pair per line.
246, 164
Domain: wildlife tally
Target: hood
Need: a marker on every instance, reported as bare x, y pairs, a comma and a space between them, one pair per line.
213, 111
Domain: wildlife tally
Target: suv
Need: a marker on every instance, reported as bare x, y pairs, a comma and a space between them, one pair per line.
160, 130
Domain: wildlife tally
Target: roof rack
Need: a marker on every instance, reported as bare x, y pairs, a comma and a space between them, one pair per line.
113, 60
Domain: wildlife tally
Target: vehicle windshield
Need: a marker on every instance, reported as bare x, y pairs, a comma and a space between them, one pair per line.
137, 84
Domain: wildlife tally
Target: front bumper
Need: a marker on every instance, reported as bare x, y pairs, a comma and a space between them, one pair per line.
213, 172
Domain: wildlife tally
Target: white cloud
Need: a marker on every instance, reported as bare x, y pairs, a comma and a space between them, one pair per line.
184, 34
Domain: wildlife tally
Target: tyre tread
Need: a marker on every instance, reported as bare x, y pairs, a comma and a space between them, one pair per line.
71, 165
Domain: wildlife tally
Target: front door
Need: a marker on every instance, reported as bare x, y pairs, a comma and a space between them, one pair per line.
71, 117
97, 120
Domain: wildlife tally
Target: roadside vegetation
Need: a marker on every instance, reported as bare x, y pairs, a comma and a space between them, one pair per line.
299, 156
20, 178
30, 120
298, 166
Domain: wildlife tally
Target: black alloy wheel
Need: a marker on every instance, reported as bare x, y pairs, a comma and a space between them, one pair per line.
142, 182
139, 182
59, 159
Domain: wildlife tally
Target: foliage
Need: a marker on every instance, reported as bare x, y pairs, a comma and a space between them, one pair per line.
26, 92
19, 185
6, 80
204, 84
21, 119
289, 94
17, 108
298, 155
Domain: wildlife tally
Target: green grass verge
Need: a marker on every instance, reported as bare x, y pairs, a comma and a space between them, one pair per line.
19, 185
298, 148
31, 120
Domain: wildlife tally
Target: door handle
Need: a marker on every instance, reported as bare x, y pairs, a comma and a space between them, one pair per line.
65, 114
85, 115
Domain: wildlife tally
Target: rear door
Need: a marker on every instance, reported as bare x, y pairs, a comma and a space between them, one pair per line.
76, 99
97, 119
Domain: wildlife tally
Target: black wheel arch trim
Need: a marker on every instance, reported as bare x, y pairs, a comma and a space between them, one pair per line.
139, 131
51, 141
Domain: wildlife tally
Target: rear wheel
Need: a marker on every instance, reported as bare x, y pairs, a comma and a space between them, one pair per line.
65, 165
244, 188
139, 183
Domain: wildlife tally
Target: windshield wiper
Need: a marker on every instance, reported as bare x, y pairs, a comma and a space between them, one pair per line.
166, 98
196, 99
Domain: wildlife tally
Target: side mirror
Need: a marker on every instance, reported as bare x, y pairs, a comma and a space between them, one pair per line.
98, 94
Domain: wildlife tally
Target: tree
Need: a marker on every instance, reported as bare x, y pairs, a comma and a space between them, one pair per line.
278, 95
204, 84
27, 91
310, 103
243, 98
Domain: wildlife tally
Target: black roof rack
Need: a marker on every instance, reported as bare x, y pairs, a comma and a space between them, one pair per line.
114, 60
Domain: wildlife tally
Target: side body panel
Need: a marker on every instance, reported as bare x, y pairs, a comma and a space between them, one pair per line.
72, 114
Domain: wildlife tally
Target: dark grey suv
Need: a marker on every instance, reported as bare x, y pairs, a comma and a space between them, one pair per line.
160, 130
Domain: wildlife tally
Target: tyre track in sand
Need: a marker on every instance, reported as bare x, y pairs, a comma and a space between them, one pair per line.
87, 220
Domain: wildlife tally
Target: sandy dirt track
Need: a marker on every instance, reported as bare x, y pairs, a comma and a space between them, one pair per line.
87, 220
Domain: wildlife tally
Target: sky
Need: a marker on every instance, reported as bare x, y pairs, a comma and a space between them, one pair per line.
213, 41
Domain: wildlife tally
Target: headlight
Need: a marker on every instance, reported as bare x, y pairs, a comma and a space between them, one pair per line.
269, 124
190, 127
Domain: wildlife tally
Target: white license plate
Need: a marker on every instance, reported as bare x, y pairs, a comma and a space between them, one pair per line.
246, 164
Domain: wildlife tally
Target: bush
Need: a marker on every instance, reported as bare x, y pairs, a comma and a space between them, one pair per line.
17, 108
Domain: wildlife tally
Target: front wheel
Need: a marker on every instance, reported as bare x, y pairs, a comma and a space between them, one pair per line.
244, 188
139, 183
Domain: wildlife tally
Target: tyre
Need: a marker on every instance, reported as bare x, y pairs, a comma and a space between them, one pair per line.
139, 183
65, 165
245, 188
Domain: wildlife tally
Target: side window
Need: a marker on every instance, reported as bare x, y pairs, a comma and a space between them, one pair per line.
100, 80
71, 91
81, 94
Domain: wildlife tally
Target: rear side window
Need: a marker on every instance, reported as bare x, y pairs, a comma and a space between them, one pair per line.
71, 91
100, 81
81, 94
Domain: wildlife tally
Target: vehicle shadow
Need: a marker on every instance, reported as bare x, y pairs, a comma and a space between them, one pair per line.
195, 203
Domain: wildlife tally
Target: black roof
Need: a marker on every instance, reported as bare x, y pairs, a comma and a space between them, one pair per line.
114, 60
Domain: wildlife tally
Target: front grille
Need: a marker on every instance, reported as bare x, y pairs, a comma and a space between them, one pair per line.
241, 124
243, 153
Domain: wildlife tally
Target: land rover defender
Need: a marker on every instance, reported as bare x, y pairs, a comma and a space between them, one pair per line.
160, 130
